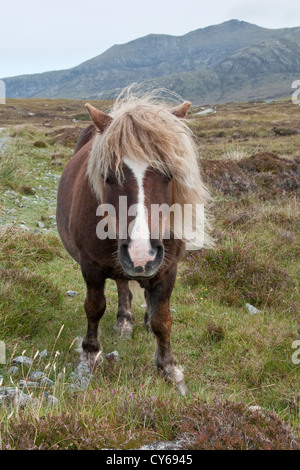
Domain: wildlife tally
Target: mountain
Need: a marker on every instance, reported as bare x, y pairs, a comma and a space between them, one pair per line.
232, 61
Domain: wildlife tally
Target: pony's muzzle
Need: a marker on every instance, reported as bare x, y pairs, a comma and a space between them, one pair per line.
140, 258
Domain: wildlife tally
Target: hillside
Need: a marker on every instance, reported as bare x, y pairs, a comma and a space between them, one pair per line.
233, 61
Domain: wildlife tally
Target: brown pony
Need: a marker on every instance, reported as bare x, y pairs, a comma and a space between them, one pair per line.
142, 153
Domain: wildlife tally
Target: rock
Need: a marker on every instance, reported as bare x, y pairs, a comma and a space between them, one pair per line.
22, 360
181, 443
43, 353
13, 370
36, 375
260, 410
255, 408
24, 227
72, 293
252, 310
206, 111
113, 356
21, 399
28, 383
46, 382
82, 383
83, 369
7, 390
74, 376
51, 399
162, 445
12, 395
41, 225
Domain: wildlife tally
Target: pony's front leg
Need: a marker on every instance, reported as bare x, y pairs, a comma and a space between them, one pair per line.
94, 305
125, 318
160, 321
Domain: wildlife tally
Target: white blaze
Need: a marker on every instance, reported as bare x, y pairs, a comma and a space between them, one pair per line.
139, 246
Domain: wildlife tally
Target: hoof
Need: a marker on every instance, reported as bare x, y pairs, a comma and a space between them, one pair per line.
175, 375
181, 388
124, 329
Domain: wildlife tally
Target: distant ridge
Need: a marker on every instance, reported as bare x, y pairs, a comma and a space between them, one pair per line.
232, 61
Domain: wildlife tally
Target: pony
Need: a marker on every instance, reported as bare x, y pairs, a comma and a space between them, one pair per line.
142, 153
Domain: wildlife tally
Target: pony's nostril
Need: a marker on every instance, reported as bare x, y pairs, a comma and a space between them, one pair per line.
139, 269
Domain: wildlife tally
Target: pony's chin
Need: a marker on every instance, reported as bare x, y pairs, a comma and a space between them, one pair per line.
134, 276
139, 274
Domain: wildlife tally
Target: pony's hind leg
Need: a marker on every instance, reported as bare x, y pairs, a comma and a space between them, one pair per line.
159, 320
125, 318
94, 306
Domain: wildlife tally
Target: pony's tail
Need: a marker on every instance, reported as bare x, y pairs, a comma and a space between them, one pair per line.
137, 293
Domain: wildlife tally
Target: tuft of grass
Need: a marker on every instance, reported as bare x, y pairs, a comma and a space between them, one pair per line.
235, 153
8, 168
238, 273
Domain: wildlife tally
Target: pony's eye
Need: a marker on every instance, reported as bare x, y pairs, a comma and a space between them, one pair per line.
108, 179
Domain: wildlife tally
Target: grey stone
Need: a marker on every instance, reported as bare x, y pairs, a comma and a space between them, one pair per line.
28, 383
24, 227
252, 310
82, 383
36, 375
162, 445
14, 396
13, 370
177, 444
43, 353
113, 356
8, 392
74, 376
21, 399
40, 224
83, 369
51, 399
46, 382
22, 360
72, 293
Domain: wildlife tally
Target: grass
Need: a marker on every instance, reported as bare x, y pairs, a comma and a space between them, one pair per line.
227, 353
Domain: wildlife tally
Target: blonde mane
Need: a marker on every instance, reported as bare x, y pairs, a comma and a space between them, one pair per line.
145, 129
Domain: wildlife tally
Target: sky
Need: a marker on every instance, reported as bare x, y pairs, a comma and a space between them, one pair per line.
37, 36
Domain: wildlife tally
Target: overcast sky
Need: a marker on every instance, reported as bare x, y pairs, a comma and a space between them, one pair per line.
37, 36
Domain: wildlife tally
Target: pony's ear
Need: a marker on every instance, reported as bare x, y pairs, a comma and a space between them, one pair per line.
181, 110
99, 118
